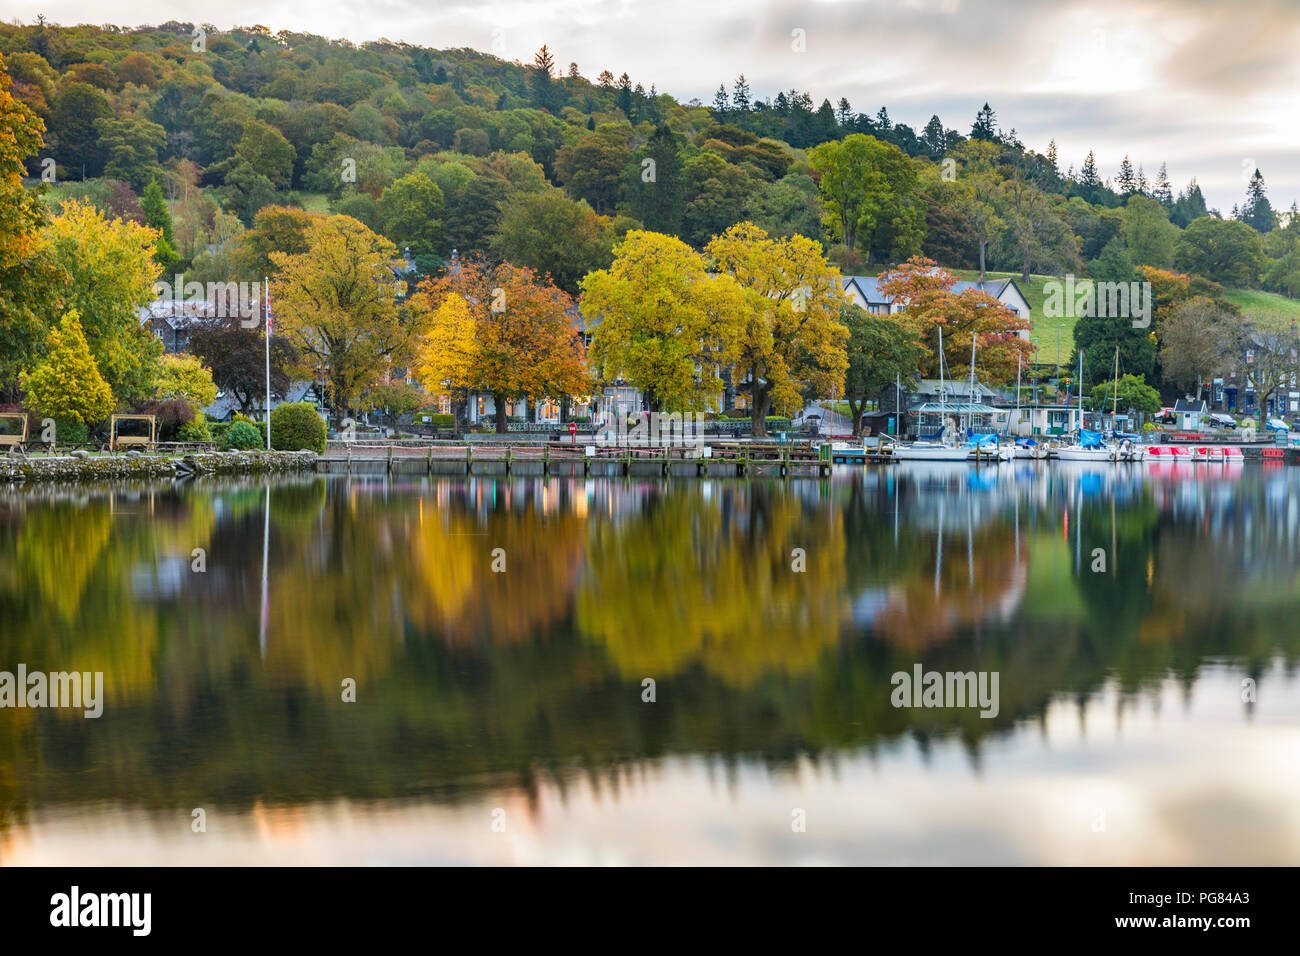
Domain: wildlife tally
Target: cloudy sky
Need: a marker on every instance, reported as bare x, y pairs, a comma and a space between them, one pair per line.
1208, 86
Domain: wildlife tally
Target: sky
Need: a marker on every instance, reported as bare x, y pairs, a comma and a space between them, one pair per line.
1210, 88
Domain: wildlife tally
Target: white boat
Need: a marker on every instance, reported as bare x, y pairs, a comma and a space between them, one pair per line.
1086, 453
1030, 449
931, 451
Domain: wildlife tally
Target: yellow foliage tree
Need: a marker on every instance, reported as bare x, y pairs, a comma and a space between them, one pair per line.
111, 272
661, 322
337, 302
185, 377
66, 383
792, 342
445, 358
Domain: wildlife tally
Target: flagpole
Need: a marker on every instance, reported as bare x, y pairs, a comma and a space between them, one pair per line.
267, 285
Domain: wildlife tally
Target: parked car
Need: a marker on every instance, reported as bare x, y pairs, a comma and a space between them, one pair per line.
1220, 420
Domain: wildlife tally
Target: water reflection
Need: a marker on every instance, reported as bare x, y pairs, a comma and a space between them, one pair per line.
1096, 593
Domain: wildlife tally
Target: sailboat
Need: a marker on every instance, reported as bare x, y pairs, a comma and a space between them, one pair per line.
1130, 446
1090, 446
942, 450
1024, 448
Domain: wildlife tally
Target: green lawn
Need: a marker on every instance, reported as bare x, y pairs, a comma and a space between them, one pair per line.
1268, 308
315, 202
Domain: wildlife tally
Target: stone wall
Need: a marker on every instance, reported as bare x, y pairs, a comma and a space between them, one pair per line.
68, 468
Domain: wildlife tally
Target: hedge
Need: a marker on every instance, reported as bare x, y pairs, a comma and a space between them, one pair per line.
297, 427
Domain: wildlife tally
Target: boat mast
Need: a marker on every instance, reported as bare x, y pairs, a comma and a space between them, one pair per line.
970, 392
1114, 406
943, 406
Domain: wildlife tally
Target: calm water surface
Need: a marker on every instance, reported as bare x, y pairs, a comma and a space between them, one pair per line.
1123, 735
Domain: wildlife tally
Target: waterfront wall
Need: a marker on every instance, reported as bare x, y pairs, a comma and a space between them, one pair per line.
69, 468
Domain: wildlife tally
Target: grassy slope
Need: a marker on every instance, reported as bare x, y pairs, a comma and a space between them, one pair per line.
1267, 307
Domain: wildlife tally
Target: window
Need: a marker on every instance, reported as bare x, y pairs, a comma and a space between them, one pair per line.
444, 404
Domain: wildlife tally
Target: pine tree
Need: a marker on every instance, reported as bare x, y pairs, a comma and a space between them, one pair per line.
623, 98
721, 105
1258, 211
882, 120
1051, 157
157, 215
1143, 187
1088, 178
1126, 181
844, 113
1164, 192
985, 126
740, 95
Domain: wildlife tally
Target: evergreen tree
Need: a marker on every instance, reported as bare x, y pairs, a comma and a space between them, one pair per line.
623, 98
1258, 211
158, 215
1052, 158
934, 138
844, 113
985, 126
740, 96
1126, 181
1190, 206
1164, 192
721, 105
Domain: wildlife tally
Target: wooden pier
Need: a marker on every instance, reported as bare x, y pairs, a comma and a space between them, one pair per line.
723, 459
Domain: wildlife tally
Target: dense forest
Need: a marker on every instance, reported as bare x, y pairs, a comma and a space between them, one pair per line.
459, 150
216, 154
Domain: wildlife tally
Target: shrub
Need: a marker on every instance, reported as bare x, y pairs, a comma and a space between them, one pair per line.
196, 429
297, 427
436, 419
68, 431
242, 436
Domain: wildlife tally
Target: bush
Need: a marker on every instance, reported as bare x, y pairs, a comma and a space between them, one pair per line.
67, 431
242, 436
435, 419
297, 427
197, 429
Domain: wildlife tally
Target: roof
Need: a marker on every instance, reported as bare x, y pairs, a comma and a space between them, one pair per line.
869, 288
1189, 405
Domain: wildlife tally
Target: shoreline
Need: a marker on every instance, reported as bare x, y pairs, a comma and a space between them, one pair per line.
68, 468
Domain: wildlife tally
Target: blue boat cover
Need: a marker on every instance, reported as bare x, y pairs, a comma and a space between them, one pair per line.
1026, 443
977, 440
1089, 439
1131, 436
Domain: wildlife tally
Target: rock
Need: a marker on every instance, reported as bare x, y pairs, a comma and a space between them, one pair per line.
80, 453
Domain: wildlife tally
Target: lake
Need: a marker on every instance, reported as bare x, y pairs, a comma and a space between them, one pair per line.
618, 671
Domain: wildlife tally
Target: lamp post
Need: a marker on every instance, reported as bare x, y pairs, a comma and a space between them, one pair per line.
1058, 348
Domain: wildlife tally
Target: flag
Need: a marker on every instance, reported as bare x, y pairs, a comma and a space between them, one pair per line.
268, 311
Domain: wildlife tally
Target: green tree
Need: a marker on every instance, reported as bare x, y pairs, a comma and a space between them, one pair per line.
1226, 251
410, 213
881, 350
158, 215
870, 196
554, 236
73, 133
1132, 392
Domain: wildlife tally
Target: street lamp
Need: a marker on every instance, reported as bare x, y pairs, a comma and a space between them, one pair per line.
1058, 349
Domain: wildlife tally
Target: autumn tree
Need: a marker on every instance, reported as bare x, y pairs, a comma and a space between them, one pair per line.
791, 343
185, 378
525, 345
445, 361
28, 276
336, 303
66, 384
661, 323
111, 267
929, 303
